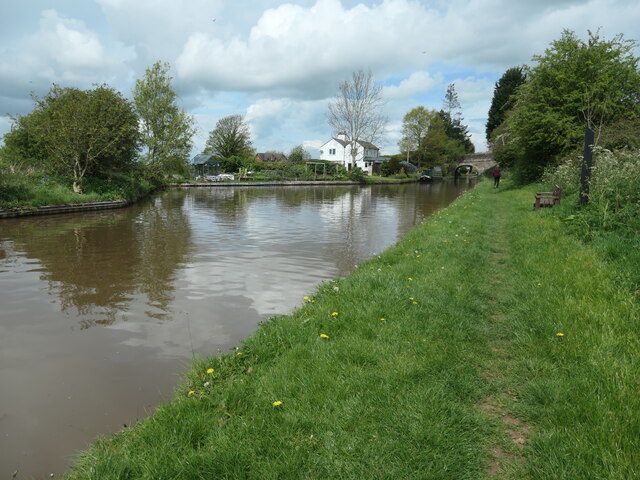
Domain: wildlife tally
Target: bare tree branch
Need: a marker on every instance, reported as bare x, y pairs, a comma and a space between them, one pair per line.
356, 111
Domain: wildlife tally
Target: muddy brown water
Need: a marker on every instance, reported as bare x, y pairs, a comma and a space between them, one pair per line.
101, 312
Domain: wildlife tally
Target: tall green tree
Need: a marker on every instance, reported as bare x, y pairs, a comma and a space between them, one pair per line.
575, 84
458, 138
457, 134
415, 126
167, 130
503, 98
85, 132
451, 102
436, 142
231, 137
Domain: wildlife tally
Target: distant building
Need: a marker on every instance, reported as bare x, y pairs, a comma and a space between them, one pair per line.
338, 150
271, 157
203, 164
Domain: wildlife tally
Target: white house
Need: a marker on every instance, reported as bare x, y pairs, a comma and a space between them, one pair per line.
339, 150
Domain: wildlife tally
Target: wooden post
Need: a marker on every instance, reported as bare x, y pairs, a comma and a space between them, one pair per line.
587, 163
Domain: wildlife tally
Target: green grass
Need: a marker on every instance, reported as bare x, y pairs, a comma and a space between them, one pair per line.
22, 190
466, 357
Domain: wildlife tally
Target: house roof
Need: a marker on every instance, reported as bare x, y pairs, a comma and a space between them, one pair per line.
272, 157
368, 145
201, 159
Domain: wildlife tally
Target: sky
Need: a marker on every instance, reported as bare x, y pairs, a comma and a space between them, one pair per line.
279, 63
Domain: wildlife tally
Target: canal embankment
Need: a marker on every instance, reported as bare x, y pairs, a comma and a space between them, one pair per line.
52, 209
488, 343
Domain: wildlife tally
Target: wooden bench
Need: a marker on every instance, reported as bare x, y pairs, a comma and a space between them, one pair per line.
548, 199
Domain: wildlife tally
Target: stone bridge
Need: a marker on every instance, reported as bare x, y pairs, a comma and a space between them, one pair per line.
476, 163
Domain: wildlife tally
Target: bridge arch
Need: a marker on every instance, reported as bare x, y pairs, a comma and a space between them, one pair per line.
479, 162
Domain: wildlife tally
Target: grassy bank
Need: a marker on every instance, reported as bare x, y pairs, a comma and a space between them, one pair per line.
34, 190
487, 344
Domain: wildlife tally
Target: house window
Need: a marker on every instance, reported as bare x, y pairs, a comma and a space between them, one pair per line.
332, 151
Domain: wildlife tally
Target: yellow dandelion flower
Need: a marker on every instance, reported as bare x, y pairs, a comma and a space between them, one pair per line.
306, 297
191, 392
334, 314
209, 370
415, 303
277, 403
559, 334
411, 298
410, 279
539, 284
324, 335
382, 319
239, 353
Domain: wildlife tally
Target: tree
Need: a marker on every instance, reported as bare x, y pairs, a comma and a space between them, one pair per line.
23, 149
167, 131
457, 133
231, 137
575, 84
415, 126
459, 141
503, 98
436, 141
356, 111
84, 132
299, 154
451, 104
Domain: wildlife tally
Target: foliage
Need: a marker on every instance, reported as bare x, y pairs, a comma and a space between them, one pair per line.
455, 130
614, 196
36, 189
458, 135
356, 175
231, 137
622, 133
83, 132
234, 163
23, 150
575, 84
391, 166
451, 103
435, 143
415, 127
299, 154
356, 111
503, 99
167, 131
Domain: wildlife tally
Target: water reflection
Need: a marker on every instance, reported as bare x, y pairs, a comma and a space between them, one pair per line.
96, 263
100, 311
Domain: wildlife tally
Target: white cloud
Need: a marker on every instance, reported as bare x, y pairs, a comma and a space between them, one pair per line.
68, 42
279, 63
61, 50
418, 82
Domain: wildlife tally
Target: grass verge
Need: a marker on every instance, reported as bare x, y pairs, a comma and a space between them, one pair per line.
440, 359
20, 191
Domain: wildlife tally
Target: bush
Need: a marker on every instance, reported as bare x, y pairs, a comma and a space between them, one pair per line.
356, 175
390, 167
614, 196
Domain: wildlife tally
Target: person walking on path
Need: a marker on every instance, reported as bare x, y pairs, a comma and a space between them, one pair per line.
496, 176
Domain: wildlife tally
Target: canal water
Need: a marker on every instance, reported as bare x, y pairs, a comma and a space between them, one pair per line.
100, 312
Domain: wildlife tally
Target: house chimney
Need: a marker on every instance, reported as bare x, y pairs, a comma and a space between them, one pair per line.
342, 136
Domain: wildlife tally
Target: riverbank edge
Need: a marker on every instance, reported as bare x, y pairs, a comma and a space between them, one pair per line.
292, 183
65, 208
474, 347
107, 205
